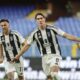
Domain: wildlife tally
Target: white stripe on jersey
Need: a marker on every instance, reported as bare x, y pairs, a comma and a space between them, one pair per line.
8, 46
21, 39
16, 44
47, 45
39, 44
54, 41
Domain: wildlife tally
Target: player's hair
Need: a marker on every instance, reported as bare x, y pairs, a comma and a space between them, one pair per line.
39, 14
4, 20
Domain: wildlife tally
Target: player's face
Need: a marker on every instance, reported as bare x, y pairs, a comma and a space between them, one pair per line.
40, 20
5, 26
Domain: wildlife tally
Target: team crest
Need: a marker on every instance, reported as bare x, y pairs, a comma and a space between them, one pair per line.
39, 35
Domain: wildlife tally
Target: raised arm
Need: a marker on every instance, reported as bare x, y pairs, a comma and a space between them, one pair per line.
66, 35
71, 37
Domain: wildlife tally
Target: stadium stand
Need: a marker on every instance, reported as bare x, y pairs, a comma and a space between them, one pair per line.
20, 22
70, 25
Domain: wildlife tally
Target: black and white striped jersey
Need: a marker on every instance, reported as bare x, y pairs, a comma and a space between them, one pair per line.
46, 39
11, 44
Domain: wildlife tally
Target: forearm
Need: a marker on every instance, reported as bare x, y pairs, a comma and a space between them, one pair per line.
1, 54
23, 50
71, 37
1, 60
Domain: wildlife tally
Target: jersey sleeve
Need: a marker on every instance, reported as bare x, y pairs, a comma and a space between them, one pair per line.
21, 39
30, 38
58, 31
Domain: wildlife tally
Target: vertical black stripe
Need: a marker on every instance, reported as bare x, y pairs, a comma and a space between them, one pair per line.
18, 42
57, 42
49, 36
36, 42
38, 46
4, 45
12, 42
39, 35
34, 37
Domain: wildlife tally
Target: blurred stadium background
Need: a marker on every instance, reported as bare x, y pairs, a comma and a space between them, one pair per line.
64, 14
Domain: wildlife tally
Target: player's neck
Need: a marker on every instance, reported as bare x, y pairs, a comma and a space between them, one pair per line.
42, 27
6, 32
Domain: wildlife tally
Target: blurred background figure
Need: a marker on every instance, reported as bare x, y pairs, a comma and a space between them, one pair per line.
75, 50
10, 45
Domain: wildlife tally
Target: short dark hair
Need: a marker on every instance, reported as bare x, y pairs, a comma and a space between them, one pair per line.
39, 14
4, 20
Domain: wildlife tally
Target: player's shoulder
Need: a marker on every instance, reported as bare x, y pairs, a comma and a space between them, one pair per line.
1, 34
35, 30
15, 32
51, 27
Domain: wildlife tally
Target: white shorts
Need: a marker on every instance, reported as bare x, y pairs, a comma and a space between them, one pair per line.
14, 67
50, 60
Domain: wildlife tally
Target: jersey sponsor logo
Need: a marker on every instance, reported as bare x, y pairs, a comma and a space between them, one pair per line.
39, 35
46, 43
9, 47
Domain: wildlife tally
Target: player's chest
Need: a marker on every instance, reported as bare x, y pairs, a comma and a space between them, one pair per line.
6, 38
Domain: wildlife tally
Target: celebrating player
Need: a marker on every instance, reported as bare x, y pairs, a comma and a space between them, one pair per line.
45, 37
10, 45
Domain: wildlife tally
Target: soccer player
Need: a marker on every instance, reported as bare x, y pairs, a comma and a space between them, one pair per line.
45, 37
10, 45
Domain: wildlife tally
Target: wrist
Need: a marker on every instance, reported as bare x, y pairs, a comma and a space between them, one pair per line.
16, 57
